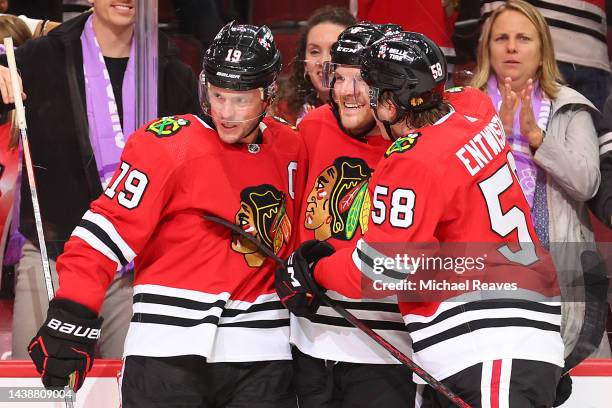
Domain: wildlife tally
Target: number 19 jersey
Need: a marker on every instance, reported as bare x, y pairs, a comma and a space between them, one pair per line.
198, 288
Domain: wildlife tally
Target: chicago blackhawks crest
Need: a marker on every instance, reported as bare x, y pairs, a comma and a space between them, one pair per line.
403, 144
339, 202
167, 126
263, 214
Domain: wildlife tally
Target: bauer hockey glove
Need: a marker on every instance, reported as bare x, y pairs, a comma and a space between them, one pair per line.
65, 343
295, 282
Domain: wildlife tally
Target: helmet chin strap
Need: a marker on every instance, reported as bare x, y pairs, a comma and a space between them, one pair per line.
387, 123
387, 126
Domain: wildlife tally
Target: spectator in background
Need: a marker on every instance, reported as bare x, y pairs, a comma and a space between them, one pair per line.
77, 132
305, 91
578, 29
4, 5
551, 132
38, 28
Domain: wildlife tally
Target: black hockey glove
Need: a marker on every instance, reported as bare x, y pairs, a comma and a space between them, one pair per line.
564, 390
294, 284
65, 343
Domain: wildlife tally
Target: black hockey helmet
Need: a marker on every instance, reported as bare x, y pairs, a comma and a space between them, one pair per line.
353, 40
390, 28
351, 44
409, 65
242, 57
347, 51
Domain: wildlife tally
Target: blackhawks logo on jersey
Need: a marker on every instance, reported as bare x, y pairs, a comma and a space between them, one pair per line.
339, 202
403, 144
262, 214
167, 126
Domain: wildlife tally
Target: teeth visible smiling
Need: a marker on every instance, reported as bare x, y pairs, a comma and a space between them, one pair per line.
352, 105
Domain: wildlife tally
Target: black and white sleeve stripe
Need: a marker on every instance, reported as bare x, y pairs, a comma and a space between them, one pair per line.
267, 312
101, 235
456, 319
605, 143
371, 264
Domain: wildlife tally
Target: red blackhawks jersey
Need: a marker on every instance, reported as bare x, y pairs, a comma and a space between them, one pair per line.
335, 208
469, 102
198, 289
454, 182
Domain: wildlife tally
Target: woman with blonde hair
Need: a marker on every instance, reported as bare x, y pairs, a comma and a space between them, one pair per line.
550, 129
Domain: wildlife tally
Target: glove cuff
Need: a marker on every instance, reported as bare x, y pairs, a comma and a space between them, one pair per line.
72, 307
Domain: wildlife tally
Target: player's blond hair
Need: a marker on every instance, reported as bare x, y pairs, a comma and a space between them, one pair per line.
548, 73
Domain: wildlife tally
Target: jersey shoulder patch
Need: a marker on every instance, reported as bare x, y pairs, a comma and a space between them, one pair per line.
167, 126
283, 121
403, 144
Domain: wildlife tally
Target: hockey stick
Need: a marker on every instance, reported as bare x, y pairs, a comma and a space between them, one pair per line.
415, 368
595, 312
23, 131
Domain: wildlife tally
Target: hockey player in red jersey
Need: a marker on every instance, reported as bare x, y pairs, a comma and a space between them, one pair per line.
333, 361
448, 178
208, 330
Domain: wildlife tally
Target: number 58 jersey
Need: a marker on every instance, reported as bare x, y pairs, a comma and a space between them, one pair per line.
447, 188
198, 289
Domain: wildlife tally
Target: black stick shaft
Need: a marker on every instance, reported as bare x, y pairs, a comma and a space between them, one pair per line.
21, 122
404, 359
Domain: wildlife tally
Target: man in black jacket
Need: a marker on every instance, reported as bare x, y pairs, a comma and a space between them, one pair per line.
69, 141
